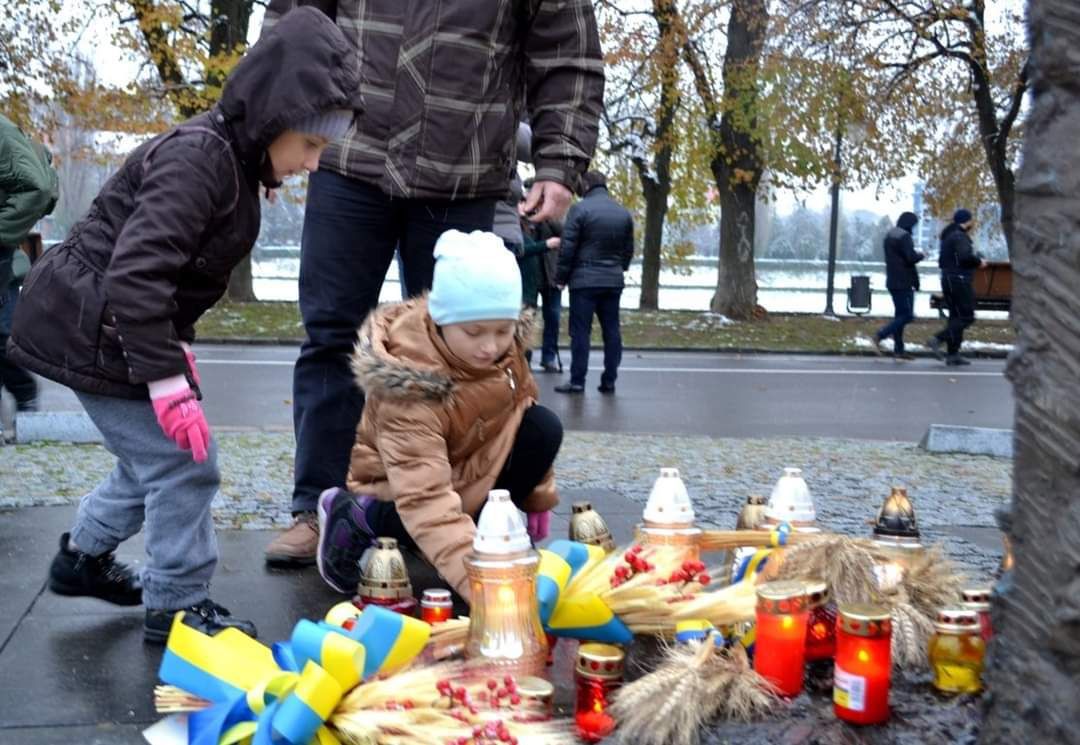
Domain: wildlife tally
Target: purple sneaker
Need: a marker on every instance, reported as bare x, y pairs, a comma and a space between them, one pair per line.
344, 535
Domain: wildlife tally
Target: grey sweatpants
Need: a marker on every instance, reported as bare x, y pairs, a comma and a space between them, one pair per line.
157, 485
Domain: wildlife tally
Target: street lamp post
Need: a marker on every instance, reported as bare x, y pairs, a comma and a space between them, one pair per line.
856, 131
834, 219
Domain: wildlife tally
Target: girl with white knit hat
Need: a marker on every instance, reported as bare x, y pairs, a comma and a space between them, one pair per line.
451, 412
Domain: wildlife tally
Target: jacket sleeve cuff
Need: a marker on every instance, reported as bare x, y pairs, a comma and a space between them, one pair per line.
560, 171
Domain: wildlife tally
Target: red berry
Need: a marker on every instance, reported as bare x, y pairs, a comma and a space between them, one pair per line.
478, 730
637, 549
704, 578
688, 566
492, 684
622, 571
629, 557
508, 680
515, 699
504, 736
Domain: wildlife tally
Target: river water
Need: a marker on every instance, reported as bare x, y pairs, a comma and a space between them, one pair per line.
783, 287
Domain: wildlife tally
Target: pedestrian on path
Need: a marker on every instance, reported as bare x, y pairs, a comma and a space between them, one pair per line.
597, 246
958, 261
110, 312
451, 414
29, 190
444, 86
539, 263
901, 280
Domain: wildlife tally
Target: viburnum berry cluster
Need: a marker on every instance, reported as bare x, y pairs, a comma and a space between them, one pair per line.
635, 564
462, 704
691, 571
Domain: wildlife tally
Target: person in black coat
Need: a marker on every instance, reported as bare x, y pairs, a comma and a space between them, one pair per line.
597, 246
958, 261
902, 280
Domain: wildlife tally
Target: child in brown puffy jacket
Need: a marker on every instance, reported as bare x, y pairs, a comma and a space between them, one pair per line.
450, 414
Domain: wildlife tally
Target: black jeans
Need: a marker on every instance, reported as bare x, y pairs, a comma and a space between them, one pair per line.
551, 308
535, 447
21, 383
904, 313
960, 300
604, 303
350, 231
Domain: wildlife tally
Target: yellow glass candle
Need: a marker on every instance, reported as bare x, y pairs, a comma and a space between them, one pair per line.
956, 651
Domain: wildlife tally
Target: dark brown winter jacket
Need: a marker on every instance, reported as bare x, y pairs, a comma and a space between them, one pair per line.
444, 85
103, 312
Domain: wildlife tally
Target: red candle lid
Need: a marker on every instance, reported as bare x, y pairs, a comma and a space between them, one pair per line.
436, 598
781, 597
601, 661
865, 619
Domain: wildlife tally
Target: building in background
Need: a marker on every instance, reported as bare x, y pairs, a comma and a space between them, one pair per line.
929, 227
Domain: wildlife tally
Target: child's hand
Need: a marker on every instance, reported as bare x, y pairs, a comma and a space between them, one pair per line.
180, 416
538, 525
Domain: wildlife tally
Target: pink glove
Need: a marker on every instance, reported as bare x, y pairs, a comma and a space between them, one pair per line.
180, 416
191, 363
538, 525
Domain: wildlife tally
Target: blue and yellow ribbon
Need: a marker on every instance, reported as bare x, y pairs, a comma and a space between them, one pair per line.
577, 617
284, 694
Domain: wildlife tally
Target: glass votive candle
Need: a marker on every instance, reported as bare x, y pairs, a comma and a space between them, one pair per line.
436, 606
780, 645
863, 672
978, 600
957, 651
598, 674
821, 626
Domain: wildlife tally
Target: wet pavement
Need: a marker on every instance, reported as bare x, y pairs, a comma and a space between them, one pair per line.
76, 670
719, 395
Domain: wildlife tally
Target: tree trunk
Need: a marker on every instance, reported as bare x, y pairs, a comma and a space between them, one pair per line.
736, 284
656, 187
228, 33
1035, 655
738, 166
652, 244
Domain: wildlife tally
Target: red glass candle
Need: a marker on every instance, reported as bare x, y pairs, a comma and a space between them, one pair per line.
863, 664
978, 600
436, 606
780, 645
821, 626
598, 675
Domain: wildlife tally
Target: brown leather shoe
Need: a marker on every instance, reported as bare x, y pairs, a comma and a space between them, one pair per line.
296, 547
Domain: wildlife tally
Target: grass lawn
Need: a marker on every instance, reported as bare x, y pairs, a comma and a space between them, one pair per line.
646, 329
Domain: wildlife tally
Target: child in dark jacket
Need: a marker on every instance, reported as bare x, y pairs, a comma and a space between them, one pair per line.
110, 312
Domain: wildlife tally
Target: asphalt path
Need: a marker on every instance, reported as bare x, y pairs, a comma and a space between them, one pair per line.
723, 395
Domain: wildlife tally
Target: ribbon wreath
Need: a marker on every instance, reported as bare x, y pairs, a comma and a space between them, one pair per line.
579, 616
285, 693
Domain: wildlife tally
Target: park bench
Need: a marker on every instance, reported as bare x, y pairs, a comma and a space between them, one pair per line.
992, 285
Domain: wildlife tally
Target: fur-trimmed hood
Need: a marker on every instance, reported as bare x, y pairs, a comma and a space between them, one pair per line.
400, 354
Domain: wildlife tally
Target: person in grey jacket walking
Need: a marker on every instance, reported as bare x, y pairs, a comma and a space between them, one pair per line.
597, 246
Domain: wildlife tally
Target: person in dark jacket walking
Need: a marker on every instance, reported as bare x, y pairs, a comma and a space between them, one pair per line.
539, 262
901, 280
111, 310
597, 246
958, 261
28, 192
444, 85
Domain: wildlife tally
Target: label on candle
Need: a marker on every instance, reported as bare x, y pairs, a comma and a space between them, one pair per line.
849, 691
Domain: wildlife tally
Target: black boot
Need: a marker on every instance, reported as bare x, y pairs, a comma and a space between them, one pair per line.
207, 617
103, 577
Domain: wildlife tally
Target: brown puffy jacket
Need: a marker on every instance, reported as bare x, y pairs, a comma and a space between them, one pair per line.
103, 311
436, 432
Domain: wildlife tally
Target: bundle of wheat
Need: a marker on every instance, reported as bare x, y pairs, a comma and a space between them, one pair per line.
694, 684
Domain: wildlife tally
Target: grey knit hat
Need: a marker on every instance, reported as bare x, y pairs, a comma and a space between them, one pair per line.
332, 124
